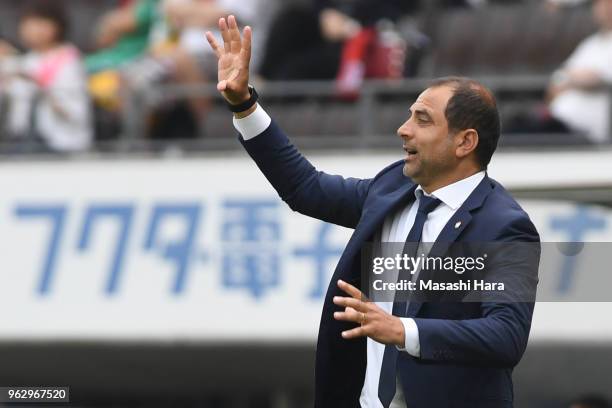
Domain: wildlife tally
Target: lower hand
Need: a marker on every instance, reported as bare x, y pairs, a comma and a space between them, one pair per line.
374, 322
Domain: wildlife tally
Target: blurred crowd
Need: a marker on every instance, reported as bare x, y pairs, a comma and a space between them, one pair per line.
51, 92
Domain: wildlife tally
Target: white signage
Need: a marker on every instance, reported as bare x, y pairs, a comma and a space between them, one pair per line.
199, 250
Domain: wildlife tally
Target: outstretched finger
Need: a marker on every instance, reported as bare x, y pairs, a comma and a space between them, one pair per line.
246, 45
354, 333
350, 315
227, 41
213, 44
350, 302
351, 290
236, 41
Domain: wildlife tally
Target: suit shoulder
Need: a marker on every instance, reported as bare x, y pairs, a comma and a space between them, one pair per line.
390, 178
508, 213
391, 169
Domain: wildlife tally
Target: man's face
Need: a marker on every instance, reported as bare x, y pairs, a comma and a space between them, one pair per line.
430, 149
602, 12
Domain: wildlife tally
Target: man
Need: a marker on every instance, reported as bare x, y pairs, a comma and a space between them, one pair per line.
445, 355
578, 93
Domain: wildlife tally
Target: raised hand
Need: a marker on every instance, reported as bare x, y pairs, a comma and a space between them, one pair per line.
234, 60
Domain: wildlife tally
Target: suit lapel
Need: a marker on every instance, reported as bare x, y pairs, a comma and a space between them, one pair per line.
372, 219
455, 226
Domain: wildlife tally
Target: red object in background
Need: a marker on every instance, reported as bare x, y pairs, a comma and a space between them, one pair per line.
353, 63
387, 58
374, 54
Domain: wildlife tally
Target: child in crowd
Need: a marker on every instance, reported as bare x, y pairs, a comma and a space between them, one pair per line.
43, 92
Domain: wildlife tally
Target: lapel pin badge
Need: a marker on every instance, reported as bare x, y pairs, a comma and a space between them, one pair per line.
458, 224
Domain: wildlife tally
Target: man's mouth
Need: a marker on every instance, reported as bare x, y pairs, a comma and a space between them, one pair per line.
410, 152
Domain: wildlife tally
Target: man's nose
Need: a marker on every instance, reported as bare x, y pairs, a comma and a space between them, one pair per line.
405, 131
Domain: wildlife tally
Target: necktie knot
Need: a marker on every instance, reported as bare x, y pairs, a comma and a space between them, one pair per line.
428, 204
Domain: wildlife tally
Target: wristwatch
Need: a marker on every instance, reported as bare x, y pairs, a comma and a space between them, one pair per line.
247, 104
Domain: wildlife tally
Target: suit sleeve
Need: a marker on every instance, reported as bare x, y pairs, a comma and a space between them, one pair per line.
330, 198
499, 337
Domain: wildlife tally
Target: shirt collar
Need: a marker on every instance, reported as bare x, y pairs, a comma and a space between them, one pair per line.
454, 195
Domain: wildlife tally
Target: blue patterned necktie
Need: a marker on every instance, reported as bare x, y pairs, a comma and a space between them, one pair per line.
386, 385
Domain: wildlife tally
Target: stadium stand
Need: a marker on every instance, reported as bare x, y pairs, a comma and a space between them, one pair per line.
485, 42
512, 46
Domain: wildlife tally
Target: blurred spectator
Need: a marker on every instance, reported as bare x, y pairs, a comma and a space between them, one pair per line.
139, 26
194, 17
578, 95
320, 40
155, 41
591, 401
44, 90
122, 35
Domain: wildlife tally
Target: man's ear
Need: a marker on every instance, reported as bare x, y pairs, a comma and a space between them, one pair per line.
466, 142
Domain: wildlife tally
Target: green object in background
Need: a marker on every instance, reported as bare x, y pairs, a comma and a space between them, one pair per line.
131, 45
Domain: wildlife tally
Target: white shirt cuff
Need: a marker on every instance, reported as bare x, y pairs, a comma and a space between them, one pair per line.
411, 333
254, 124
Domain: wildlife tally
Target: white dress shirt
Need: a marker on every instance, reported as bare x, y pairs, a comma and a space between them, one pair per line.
395, 229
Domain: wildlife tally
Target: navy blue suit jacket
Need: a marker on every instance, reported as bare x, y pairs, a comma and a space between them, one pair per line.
468, 350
